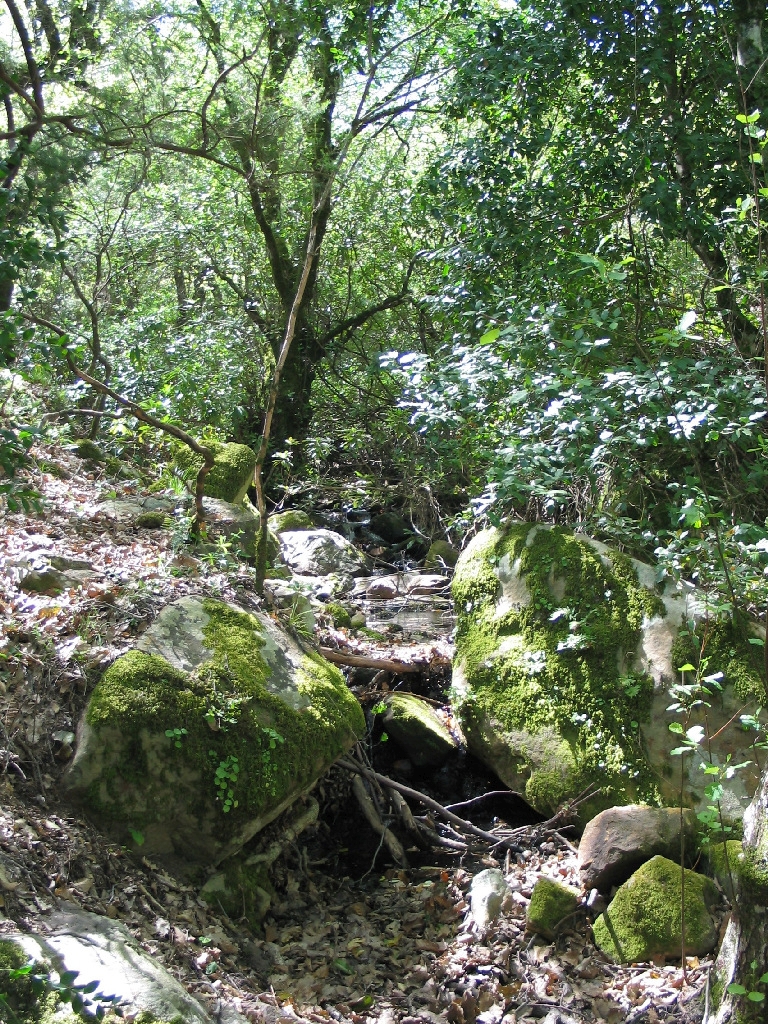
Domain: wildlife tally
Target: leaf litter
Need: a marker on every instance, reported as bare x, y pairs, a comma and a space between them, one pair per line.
391, 946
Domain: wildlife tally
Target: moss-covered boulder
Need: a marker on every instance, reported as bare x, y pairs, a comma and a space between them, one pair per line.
644, 918
551, 903
201, 736
232, 472
565, 653
418, 729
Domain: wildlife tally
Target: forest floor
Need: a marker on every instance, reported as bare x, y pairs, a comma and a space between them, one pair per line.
348, 937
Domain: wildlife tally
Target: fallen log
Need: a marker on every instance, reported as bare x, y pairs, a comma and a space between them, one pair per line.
365, 661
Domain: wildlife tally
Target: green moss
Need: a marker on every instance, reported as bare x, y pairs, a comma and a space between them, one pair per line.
90, 451
152, 520
339, 614
644, 918
279, 747
724, 644
291, 519
27, 1005
550, 904
726, 863
550, 657
232, 471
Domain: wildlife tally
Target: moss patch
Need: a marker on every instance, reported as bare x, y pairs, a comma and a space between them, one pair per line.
550, 904
544, 634
152, 520
724, 643
644, 918
232, 471
340, 615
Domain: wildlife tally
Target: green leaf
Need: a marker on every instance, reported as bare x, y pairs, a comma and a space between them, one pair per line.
676, 727
490, 336
736, 990
755, 997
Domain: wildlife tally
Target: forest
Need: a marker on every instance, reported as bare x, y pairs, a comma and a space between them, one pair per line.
472, 262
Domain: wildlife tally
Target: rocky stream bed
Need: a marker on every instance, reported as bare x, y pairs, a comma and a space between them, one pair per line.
349, 935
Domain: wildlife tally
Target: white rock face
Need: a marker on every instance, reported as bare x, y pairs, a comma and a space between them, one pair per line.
103, 951
320, 553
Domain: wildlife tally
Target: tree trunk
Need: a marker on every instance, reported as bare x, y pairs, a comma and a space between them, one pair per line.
746, 938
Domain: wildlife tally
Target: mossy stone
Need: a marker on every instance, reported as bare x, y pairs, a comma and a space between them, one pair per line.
418, 729
551, 903
340, 615
291, 519
644, 917
231, 474
90, 451
241, 689
441, 553
151, 520
546, 624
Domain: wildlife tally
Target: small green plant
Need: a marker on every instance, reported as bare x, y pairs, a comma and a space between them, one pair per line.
223, 710
272, 738
137, 836
86, 1001
177, 735
754, 995
225, 780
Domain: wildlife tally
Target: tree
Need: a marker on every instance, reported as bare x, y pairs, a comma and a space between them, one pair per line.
287, 101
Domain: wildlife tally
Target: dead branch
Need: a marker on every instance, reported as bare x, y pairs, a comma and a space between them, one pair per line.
363, 661
465, 826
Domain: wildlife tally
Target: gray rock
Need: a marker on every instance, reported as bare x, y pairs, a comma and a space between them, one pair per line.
103, 951
209, 687
321, 553
486, 896
619, 840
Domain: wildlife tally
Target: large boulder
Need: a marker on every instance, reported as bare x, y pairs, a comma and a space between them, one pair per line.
322, 553
201, 736
231, 474
644, 919
619, 840
565, 653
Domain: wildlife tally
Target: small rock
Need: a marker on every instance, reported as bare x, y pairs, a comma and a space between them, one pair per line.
551, 903
486, 895
441, 555
418, 729
44, 581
